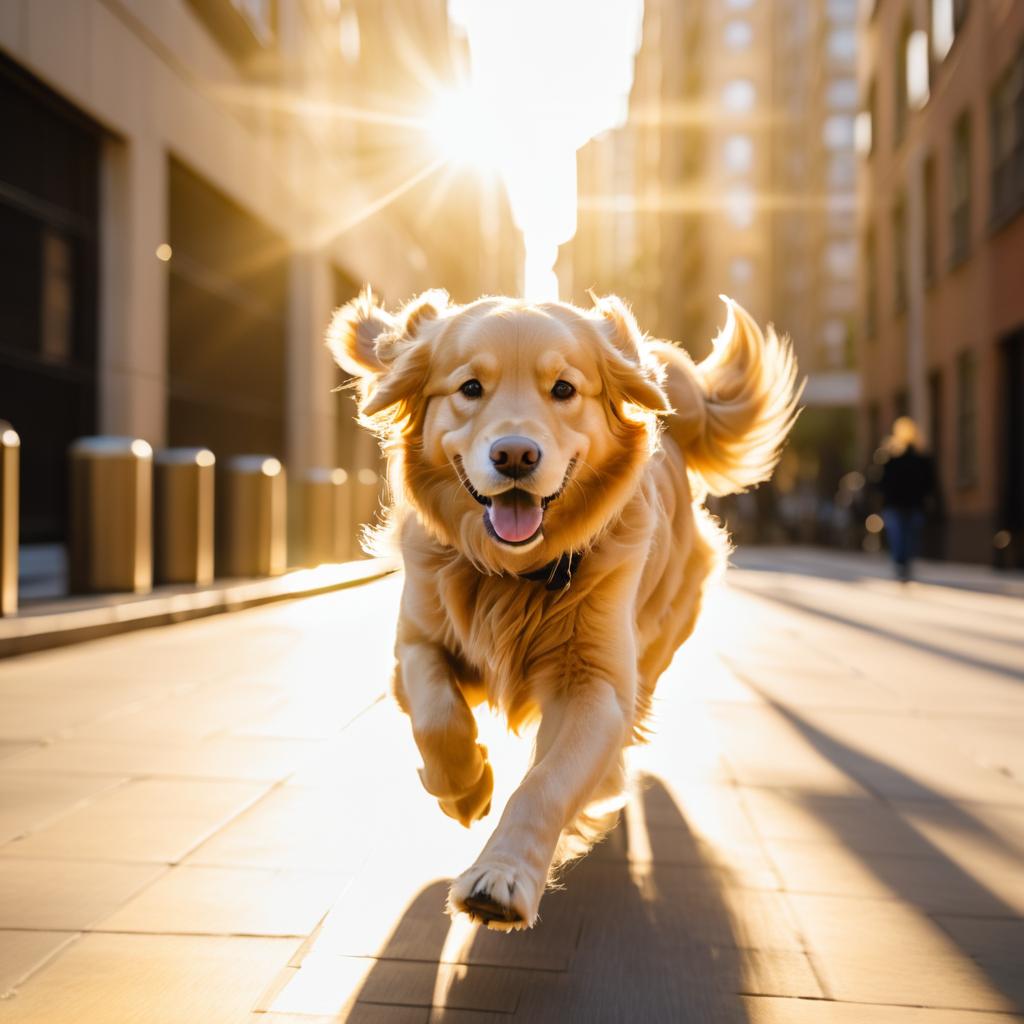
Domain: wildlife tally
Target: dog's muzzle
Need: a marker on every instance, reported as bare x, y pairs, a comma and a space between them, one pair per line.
514, 517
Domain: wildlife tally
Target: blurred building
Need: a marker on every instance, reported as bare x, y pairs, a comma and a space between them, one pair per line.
187, 189
735, 173
941, 192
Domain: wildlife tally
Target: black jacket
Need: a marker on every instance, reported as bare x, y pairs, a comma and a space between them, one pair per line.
908, 480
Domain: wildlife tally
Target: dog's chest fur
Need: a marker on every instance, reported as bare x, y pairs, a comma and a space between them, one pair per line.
512, 632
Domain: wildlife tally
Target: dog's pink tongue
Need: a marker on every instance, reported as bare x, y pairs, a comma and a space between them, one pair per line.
515, 516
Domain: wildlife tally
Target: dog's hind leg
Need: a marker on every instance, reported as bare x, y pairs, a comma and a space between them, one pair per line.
455, 767
581, 735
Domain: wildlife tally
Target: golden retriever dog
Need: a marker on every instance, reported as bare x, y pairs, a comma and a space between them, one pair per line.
548, 466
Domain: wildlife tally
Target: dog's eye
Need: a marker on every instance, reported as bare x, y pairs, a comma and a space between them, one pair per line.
562, 390
472, 389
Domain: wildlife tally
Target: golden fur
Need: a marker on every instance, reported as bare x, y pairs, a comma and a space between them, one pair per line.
628, 459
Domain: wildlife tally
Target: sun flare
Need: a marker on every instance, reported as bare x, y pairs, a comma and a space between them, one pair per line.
544, 79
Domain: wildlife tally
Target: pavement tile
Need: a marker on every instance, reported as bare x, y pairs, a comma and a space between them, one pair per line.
230, 757
229, 901
934, 884
144, 820
763, 1010
328, 984
794, 681
149, 979
21, 953
368, 922
66, 895
294, 827
904, 758
764, 749
195, 714
985, 842
678, 905
863, 824
29, 801
32, 716
8, 747
881, 951
988, 939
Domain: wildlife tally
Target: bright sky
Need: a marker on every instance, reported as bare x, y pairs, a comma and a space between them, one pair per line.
546, 77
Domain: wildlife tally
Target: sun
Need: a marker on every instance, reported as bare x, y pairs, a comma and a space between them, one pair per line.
462, 132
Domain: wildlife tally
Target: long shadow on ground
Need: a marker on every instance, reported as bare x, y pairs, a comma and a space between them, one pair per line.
624, 940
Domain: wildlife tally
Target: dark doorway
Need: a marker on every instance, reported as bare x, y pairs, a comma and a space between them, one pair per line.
345, 426
934, 534
1011, 482
49, 217
226, 323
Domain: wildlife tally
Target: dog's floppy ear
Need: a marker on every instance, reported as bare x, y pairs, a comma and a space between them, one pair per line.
631, 369
353, 334
388, 353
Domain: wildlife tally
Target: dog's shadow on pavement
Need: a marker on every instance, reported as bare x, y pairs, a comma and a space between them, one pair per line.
641, 934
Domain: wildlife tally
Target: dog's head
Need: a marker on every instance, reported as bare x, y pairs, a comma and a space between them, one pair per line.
519, 430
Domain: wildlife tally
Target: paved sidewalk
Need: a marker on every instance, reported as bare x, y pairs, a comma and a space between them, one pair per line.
220, 821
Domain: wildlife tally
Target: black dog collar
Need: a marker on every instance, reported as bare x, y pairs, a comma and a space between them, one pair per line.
557, 574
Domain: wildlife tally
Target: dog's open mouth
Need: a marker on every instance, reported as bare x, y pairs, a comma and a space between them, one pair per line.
514, 517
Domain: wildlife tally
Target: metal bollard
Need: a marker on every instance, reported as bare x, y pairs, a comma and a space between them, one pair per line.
10, 446
254, 537
110, 538
183, 492
327, 518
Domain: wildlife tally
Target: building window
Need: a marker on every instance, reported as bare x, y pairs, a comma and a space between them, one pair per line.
739, 154
738, 95
741, 270
899, 256
1007, 119
960, 191
739, 205
928, 235
842, 44
947, 19
837, 132
842, 93
900, 99
870, 285
917, 69
966, 419
738, 34
864, 126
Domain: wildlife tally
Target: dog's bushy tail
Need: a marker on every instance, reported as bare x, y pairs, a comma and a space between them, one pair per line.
734, 410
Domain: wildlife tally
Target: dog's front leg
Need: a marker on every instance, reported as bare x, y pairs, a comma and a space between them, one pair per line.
581, 735
455, 767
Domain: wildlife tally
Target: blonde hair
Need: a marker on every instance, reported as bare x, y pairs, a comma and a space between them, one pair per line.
905, 434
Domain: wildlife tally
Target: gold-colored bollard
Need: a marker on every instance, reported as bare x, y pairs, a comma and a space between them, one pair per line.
110, 539
326, 516
10, 449
254, 541
183, 492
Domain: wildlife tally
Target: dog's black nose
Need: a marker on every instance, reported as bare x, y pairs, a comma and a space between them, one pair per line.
515, 456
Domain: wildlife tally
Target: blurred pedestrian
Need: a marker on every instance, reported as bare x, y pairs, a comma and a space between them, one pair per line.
907, 486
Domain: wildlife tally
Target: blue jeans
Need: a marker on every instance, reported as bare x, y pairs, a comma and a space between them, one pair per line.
903, 528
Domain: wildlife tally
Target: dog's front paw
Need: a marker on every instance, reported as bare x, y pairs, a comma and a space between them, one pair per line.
496, 893
474, 804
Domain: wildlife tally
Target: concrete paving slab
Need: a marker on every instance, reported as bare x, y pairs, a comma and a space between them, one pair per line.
66, 895
882, 951
23, 953
158, 820
159, 979
230, 901
28, 802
